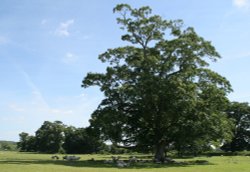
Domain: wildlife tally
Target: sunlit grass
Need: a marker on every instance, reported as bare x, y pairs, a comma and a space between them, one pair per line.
31, 162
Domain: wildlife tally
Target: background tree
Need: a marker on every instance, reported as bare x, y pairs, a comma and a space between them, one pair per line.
240, 113
26, 143
56, 137
21, 145
77, 140
50, 137
160, 91
31, 144
8, 145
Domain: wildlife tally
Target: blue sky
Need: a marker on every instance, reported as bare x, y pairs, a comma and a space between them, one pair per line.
47, 47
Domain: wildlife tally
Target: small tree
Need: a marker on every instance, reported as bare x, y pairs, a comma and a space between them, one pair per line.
78, 140
22, 144
50, 136
160, 91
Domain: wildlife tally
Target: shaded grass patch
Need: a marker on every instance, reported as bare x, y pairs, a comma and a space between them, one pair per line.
102, 164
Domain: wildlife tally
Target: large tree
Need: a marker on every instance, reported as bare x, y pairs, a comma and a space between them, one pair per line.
159, 91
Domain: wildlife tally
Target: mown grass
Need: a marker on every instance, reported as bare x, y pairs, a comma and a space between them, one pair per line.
31, 162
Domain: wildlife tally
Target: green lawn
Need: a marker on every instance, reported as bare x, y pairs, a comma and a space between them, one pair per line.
29, 162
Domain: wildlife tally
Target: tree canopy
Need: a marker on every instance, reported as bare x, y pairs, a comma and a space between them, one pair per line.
240, 114
56, 137
159, 91
78, 140
49, 137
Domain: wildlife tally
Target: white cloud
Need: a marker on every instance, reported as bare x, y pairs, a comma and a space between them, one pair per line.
86, 37
236, 55
44, 22
3, 40
63, 28
81, 95
242, 3
59, 111
16, 108
70, 58
13, 118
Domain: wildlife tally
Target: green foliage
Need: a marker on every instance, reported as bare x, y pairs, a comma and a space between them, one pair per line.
26, 143
160, 91
77, 140
50, 136
55, 137
240, 114
8, 145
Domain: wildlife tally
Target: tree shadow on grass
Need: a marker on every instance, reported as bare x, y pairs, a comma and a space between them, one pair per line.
101, 164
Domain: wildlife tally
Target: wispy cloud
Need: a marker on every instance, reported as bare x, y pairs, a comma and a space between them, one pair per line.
236, 55
240, 96
38, 103
41, 106
243, 4
16, 108
31, 112
3, 40
73, 110
44, 22
63, 29
70, 58
20, 119
35, 92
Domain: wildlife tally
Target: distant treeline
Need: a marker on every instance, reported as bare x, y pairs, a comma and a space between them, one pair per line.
8, 145
56, 137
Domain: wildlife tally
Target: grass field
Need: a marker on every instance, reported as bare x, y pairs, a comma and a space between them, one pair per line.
30, 162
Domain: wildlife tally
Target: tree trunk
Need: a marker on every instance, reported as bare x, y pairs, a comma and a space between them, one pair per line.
160, 151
